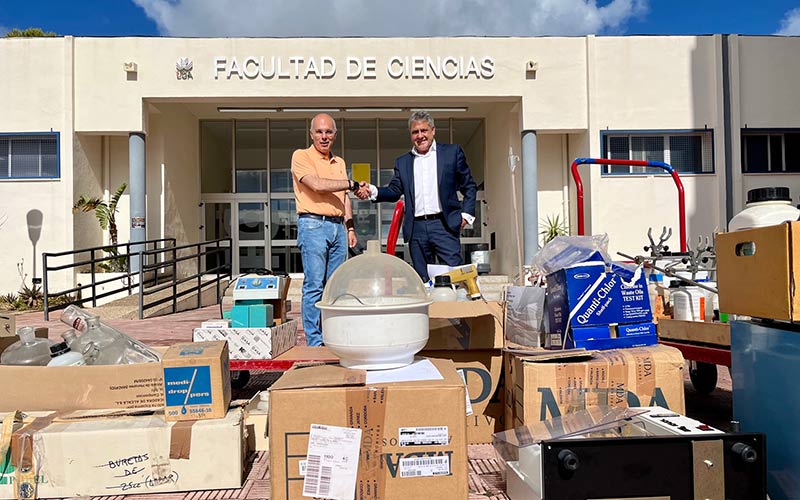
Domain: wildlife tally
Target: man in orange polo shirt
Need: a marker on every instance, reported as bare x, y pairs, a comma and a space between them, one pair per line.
324, 217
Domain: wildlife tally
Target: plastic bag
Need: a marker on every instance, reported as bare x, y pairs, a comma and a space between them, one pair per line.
525, 313
565, 251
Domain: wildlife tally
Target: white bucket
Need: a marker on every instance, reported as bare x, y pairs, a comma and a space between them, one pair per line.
689, 304
379, 337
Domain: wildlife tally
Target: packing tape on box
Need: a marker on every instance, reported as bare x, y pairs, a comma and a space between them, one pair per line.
366, 410
180, 440
23, 454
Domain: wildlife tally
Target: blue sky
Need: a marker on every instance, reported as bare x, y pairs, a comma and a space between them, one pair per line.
390, 18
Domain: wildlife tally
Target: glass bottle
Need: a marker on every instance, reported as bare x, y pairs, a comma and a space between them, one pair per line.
134, 350
29, 350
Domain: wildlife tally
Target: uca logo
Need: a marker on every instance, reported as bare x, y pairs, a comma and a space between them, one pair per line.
183, 69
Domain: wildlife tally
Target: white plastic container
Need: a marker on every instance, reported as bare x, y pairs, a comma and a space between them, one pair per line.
442, 290
375, 312
689, 303
765, 207
62, 355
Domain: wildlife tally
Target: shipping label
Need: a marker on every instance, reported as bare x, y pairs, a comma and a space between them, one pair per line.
425, 466
331, 462
423, 436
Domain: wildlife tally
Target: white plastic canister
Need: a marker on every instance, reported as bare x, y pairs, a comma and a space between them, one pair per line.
690, 303
765, 207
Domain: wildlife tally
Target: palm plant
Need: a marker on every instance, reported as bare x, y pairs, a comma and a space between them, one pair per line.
553, 226
106, 213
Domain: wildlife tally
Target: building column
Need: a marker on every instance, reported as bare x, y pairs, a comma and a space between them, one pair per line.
530, 196
136, 184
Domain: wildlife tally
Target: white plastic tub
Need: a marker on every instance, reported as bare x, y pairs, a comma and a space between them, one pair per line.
376, 337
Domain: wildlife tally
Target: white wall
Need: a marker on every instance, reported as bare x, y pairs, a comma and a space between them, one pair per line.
653, 83
36, 84
766, 76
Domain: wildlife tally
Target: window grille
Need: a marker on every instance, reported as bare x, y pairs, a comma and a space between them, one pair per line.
686, 152
29, 156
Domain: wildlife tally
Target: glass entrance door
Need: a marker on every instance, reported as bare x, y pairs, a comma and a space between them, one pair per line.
253, 236
244, 219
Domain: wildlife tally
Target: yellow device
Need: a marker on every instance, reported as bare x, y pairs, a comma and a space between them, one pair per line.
469, 276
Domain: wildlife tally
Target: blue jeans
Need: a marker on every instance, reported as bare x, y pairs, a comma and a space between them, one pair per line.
323, 248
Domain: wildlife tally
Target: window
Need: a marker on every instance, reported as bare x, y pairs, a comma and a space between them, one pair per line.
29, 156
766, 152
686, 152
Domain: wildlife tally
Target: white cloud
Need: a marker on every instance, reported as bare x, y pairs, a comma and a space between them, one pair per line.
790, 24
337, 18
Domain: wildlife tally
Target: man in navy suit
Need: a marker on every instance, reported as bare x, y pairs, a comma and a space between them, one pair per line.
429, 177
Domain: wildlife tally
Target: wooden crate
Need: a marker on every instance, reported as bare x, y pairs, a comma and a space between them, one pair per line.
695, 331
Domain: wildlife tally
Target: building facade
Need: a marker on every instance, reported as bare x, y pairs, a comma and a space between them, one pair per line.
202, 130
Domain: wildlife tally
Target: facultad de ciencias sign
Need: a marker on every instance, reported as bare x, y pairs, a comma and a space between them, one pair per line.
325, 67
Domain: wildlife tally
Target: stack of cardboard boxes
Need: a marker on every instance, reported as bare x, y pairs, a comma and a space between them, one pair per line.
105, 430
471, 334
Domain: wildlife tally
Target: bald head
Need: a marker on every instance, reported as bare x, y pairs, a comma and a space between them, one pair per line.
323, 133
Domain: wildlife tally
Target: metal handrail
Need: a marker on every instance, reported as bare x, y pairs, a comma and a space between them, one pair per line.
93, 261
199, 252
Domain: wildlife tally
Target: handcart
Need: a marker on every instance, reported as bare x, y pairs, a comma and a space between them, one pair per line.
703, 356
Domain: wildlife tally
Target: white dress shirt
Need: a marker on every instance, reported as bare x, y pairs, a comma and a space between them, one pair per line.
426, 185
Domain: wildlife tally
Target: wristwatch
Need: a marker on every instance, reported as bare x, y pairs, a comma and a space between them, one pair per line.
353, 185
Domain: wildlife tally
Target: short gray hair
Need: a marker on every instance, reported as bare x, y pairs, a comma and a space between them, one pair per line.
419, 116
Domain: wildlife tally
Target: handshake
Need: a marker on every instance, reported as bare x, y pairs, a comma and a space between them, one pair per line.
363, 191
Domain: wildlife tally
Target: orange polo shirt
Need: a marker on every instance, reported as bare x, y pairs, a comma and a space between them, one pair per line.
310, 161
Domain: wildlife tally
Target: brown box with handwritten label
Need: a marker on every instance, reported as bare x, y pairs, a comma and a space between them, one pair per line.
115, 452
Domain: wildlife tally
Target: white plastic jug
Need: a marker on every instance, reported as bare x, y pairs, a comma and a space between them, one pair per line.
765, 207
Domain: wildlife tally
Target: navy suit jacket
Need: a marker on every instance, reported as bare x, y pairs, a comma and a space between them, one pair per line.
454, 176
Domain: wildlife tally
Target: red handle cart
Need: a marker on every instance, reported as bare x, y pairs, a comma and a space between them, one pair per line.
704, 359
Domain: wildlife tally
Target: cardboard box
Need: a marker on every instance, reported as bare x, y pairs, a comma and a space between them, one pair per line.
476, 324
540, 387
604, 337
482, 371
43, 388
252, 343
757, 270
86, 454
197, 381
8, 325
393, 461
256, 421
586, 295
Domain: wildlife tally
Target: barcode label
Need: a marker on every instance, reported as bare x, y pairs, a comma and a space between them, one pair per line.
331, 462
424, 436
425, 466
313, 473
469, 403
